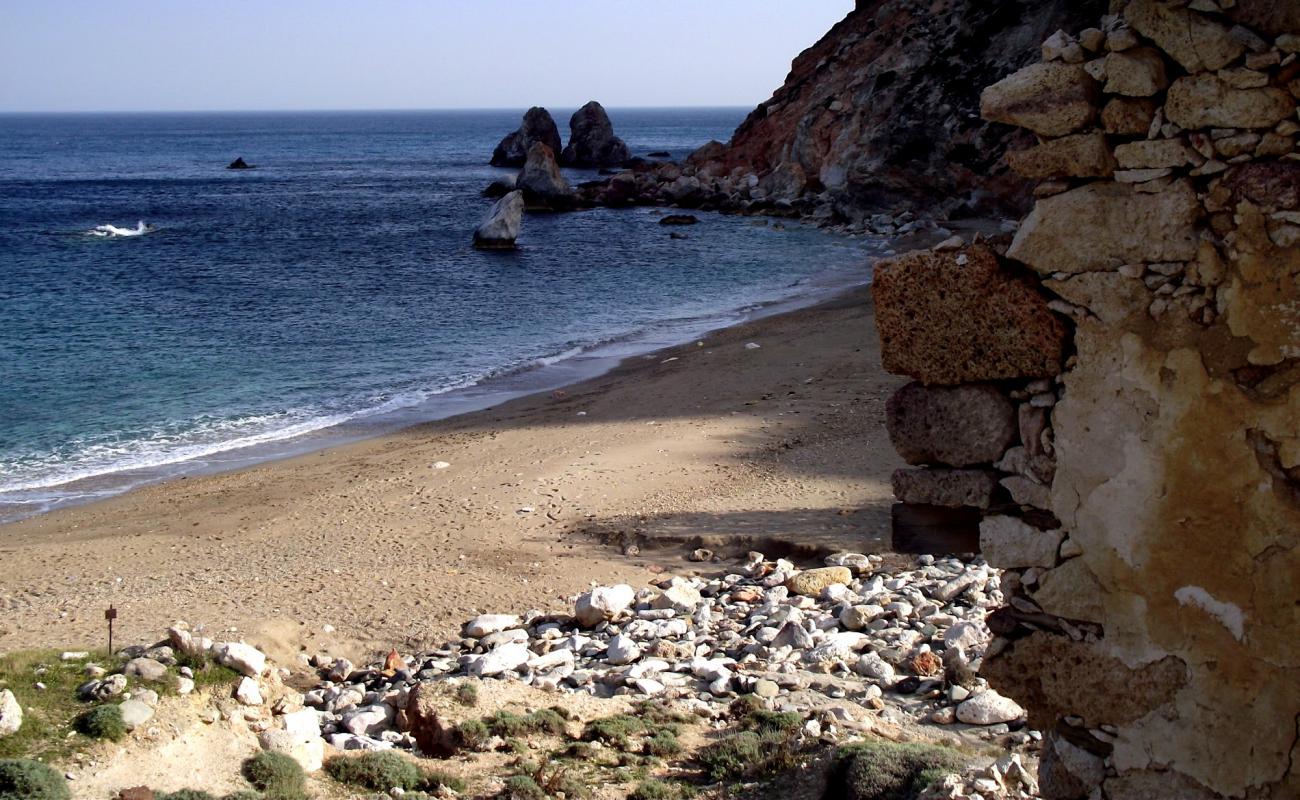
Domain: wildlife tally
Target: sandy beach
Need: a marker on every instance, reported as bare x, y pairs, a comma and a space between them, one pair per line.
712, 444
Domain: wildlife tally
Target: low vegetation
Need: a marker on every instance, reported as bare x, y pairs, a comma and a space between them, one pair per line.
102, 722
24, 779
384, 770
889, 770
277, 775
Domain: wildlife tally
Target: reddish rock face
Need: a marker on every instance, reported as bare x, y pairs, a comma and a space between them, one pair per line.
989, 324
884, 109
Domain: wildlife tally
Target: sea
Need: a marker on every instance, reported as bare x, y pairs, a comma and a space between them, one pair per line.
161, 315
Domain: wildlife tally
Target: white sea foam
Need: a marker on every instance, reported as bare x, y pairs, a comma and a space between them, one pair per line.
113, 231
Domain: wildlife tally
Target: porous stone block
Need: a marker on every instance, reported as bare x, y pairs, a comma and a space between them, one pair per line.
951, 488
1051, 99
942, 321
1194, 40
1082, 155
958, 426
1128, 116
1207, 101
1102, 226
1008, 542
1152, 153
1139, 72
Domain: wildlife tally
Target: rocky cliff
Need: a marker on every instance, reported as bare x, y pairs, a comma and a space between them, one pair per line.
884, 110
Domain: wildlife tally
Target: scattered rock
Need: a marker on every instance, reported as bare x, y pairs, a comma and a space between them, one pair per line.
603, 603
988, 708
242, 658
135, 713
678, 219
811, 582
248, 692
146, 669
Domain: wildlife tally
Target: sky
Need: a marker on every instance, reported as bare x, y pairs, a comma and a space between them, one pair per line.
201, 55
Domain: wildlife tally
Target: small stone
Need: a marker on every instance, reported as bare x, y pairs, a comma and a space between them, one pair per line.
811, 582
145, 668
248, 692
11, 713
243, 658
603, 603
988, 708
871, 665
622, 650
135, 713
486, 624
308, 751
766, 689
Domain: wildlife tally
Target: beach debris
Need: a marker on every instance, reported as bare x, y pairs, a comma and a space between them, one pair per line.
752, 345
440, 465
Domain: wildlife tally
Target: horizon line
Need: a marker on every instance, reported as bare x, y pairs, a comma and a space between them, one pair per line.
352, 110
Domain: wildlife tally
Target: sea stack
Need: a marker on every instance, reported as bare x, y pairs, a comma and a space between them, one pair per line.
500, 227
544, 188
537, 126
592, 142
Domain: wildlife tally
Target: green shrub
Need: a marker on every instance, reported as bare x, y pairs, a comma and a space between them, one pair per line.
749, 754
24, 779
663, 743
245, 795
473, 733
277, 775
615, 731
379, 770
547, 720
653, 789
466, 693
435, 780
763, 721
890, 771
522, 787
102, 722
185, 794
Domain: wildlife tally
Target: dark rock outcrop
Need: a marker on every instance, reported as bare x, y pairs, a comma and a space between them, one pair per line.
592, 142
679, 219
239, 163
884, 111
537, 126
544, 188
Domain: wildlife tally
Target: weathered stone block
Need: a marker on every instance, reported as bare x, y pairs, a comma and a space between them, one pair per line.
1152, 153
1009, 543
1139, 72
1051, 99
1194, 40
943, 322
958, 426
1128, 116
945, 487
1269, 184
1102, 226
1083, 155
1206, 101
1070, 591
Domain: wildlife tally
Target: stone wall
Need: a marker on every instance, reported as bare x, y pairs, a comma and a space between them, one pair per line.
1117, 391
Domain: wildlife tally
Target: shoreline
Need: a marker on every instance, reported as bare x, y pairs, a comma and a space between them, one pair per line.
263, 537
547, 373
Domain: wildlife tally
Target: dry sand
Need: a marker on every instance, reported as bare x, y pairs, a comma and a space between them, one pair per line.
780, 448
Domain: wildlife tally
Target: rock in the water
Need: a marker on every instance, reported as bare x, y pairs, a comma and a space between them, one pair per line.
1102, 226
541, 182
592, 142
945, 487
602, 603
501, 186
678, 219
11, 713
500, 228
1051, 99
1007, 542
949, 318
811, 582
242, 658
958, 426
238, 163
988, 708
538, 126
135, 713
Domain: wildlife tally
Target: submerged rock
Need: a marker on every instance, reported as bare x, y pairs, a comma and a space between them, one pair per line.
500, 227
537, 126
679, 219
239, 163
592, 142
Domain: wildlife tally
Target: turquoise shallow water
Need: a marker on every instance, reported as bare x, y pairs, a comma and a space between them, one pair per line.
327, 294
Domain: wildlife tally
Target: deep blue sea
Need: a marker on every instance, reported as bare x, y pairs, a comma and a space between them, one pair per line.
329, 293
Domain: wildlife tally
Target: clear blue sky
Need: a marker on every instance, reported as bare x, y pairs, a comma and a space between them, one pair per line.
132, 55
